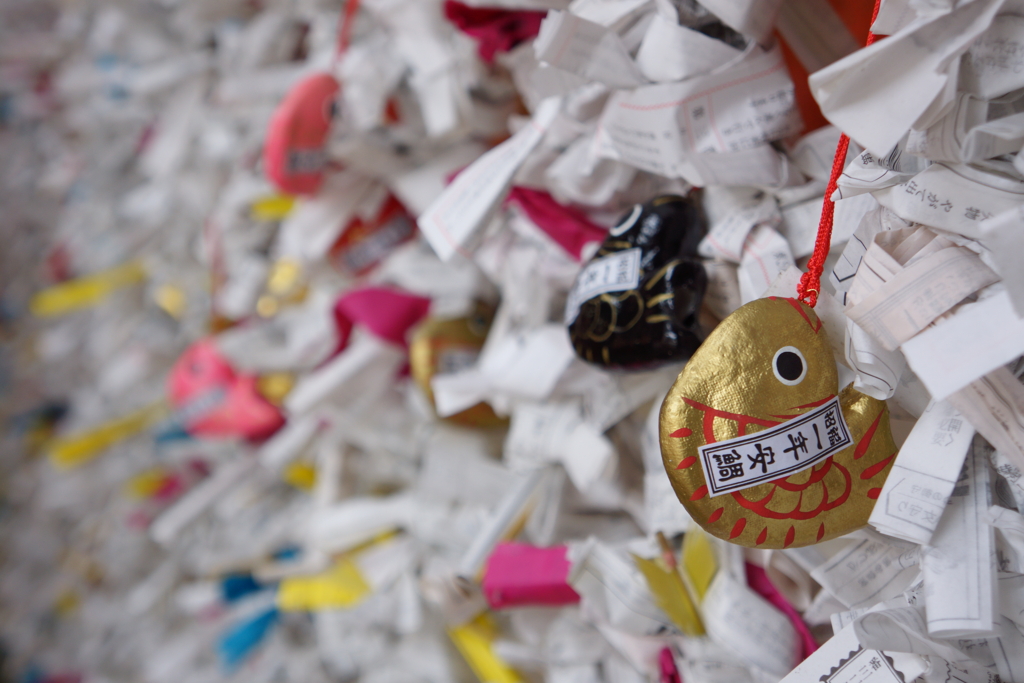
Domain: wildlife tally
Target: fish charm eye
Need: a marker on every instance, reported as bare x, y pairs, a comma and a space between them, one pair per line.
789, 366
627, 222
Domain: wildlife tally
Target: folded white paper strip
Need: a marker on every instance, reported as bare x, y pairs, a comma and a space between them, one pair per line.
916, 493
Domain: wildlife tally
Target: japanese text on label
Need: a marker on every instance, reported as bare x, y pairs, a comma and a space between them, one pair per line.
613, 273
777, 452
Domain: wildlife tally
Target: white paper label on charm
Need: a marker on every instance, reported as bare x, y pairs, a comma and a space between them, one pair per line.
778, 452
616, 272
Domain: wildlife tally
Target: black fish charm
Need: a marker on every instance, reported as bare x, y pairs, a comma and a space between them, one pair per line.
635, 304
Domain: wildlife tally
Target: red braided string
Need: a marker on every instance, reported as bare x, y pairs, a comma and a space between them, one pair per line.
810, 282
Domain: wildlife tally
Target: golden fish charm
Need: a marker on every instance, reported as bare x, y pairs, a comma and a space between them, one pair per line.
768, 368
439, 346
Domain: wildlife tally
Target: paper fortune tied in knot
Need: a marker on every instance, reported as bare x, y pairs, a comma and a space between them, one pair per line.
635, 304
761, 447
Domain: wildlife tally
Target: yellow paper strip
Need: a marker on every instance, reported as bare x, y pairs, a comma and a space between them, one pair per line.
699, 560
301, 475
78, 449
145, 484
172, 300
474, 640
275, 386
85, 291
341, 586
670, 594
272, 208
67, 603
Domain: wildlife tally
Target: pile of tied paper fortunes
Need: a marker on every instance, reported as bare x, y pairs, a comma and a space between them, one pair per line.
362, 537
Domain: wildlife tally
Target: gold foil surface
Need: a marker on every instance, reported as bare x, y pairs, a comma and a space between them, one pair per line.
446, 345
729, 388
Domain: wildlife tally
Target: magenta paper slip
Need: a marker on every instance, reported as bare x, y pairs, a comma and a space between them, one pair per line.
518, 575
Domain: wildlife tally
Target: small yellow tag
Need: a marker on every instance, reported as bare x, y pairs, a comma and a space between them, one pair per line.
145, 484
85, 291
67, 603
78, 449
301, 475
475, 641
670, 593
171, 299
342, 585
275, 386
284, 278
267, 306
274, 207
699, 560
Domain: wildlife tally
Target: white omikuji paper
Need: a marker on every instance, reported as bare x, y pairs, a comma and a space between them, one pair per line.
878, 93
878, 371
465, 204
591, 51
613, 587
659, 127
994, 404
551, 432
1003, 241
958, 564
844, 660
765, 256
917, 490
975, 340
989, 69
727, 235
908, 299
867, 572
734, 614
670, 52
662, 507
953, 197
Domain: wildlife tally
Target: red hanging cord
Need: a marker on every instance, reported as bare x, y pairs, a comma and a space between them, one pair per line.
810, 282
348, 18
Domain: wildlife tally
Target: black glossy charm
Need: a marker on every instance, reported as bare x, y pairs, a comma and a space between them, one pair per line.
635, 304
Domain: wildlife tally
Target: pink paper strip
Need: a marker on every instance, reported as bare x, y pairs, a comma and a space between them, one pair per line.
567, 226
387, 313
518, 574
667, 666
495, 30
759, 582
